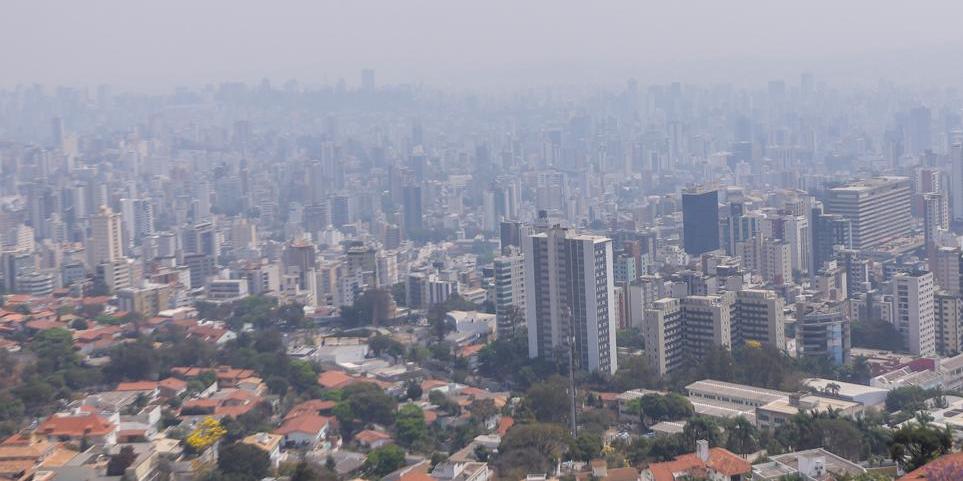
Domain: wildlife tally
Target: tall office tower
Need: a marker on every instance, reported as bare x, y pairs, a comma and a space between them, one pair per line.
662, 330
138, 217
707, 323
510, 292
512, 232
879, 209
914, 311
794, 230
956, 180
700, 220
945, 264
949, 314
776, 262
57, 134
413, 214
823, 331
919, 135
367, 80
340, 207
625, 269
299, 259
758, 316
106, 238
679, 332
936, 219
203, 238
202, 210
829, 231
317, 217
569, 297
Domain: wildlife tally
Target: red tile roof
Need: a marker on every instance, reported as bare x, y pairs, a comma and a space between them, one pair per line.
920, 474
137, 386
721, 461
334, 379
369, 436
313, 406
76, 425
305, 423
504, 424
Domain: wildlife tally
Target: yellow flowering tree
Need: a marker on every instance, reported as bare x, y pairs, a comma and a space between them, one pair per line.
208, 432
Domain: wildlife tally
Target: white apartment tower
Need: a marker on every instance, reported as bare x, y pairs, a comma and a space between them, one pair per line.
915, 317
509, 291
106, 237
569, 289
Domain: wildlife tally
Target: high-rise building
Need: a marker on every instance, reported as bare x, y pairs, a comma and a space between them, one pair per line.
828, 231
758, 316
569, 298
776, 262
679, 332
823, 331
948, 309
700, 220
106, 238
945, 263
138, 217
299, 259
879, 209
707, 323
915, 318
662, 329
510, 292
413, 214
956, 180
936, 220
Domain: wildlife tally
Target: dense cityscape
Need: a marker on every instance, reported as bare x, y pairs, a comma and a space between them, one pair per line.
392, 281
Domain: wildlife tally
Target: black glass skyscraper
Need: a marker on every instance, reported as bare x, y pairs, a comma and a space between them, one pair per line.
700, 220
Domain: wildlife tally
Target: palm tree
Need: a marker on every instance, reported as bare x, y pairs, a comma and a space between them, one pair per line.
832, 389
742, 436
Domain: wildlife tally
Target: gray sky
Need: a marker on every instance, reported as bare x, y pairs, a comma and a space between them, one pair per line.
452, 43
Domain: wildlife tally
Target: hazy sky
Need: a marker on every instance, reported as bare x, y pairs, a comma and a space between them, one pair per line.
161, 43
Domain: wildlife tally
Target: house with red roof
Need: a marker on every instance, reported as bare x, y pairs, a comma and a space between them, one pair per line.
312, 406
171, 387
335, 379
705, 463
371, 439
227, 376
946, 465
79, 427
224, 403
305, 430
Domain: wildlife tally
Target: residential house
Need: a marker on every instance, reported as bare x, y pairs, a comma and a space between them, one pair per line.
712, 464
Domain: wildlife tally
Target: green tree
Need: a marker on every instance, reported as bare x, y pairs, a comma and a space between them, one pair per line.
532, 448
742, 437
702, 427
118, 463
54, 349
413, 390
918, 443
244, 461
586, 446
384, 460
410, 427
305, 472
549, 401
670, 407
908, 398
370, 404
